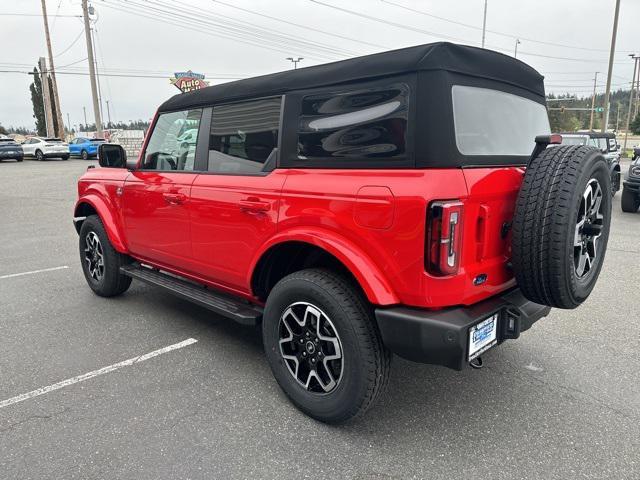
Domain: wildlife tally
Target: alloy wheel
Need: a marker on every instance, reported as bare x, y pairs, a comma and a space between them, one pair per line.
588, 229
310, 347
94, 257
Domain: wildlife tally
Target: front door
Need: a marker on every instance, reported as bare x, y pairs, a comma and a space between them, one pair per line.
156, 196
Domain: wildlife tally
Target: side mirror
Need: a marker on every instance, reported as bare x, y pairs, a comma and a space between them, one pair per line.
111, 155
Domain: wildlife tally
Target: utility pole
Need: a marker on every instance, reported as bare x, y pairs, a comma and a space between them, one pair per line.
515, 53
607, 94
618, 118
46, 97
108, 113
637, 96
593, 101
68, 122
484, 23
295, 61
633, 83
92, 68
85, 118
57, 111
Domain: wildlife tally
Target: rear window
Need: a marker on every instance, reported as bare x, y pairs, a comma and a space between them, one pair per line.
491, 122
364, 123
52, 140
98, 140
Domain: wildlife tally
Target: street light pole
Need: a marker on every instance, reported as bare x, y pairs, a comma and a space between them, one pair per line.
295, 61
593, 101
605, 114
484, 23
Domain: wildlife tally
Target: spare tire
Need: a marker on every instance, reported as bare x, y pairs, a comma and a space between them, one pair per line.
561, 225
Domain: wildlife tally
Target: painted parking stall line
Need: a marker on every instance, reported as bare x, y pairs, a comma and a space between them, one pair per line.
95, 373
31, 272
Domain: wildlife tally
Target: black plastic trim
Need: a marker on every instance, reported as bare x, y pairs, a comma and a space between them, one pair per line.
440, 337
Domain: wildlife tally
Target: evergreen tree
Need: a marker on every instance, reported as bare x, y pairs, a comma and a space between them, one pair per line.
635, 125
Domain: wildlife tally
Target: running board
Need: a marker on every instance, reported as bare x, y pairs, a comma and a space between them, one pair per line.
225, 305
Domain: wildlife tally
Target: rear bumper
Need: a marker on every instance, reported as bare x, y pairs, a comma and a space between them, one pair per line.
441, 337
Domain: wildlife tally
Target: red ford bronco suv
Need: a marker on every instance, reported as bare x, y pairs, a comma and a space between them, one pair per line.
399, 202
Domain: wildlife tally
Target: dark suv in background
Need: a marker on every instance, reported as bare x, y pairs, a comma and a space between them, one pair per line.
606, 143
631, 185
10, 149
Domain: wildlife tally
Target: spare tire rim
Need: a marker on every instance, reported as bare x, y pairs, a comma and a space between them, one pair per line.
93, 256
310, 347
588, 229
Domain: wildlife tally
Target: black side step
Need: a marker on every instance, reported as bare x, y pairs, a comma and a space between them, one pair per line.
225, 305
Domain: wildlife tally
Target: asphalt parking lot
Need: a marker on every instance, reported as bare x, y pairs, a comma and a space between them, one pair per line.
561, 402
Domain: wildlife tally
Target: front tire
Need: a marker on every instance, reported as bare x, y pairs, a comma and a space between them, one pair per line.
84, 155
100, 261
630, 202
323, 345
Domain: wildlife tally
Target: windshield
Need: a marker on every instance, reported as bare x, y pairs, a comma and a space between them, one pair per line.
491, 122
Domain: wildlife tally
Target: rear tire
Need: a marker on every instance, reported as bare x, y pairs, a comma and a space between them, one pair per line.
65, 157
561, 225
100, 261
39, 155
630, 202
84, 155
332, 390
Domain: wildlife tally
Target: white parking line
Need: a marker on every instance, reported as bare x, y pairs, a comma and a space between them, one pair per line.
33, 271
95, 373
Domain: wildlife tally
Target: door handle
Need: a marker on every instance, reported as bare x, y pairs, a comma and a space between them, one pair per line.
174, 198
251, 205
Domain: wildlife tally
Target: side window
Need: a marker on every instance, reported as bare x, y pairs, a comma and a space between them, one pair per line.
244, 136
172, 145
367, 123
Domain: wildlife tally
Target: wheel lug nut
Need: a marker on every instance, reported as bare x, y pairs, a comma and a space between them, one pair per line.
313, 360
304, 354
301, 341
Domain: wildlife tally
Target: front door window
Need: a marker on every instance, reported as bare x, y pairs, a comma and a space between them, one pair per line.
172, 146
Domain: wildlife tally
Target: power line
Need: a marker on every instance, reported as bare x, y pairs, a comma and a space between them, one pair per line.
242, 31
475, 27
75, 40
305, 27
442, 36
37, 15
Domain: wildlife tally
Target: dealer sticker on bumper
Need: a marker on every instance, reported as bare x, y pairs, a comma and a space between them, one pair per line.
483, 336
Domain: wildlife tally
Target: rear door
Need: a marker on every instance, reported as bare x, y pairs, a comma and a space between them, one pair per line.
156, 196
234, 205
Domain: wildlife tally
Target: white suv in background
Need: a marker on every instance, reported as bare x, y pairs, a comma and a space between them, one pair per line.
42, 148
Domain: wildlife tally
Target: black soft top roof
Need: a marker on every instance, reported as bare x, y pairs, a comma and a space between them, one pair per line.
444, 56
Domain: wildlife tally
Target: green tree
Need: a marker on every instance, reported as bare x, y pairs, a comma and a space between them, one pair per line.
38, 104
635, 125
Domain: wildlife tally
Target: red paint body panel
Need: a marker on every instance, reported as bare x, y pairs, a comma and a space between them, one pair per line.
373, 221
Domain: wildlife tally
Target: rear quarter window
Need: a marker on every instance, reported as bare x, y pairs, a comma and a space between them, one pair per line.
356, 124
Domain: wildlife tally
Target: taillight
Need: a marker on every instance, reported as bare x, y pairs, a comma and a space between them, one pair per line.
444, 238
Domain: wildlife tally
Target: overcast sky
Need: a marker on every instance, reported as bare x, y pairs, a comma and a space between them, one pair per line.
223, 42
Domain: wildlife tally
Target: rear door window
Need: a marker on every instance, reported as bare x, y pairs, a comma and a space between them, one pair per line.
244, 136
492, 122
